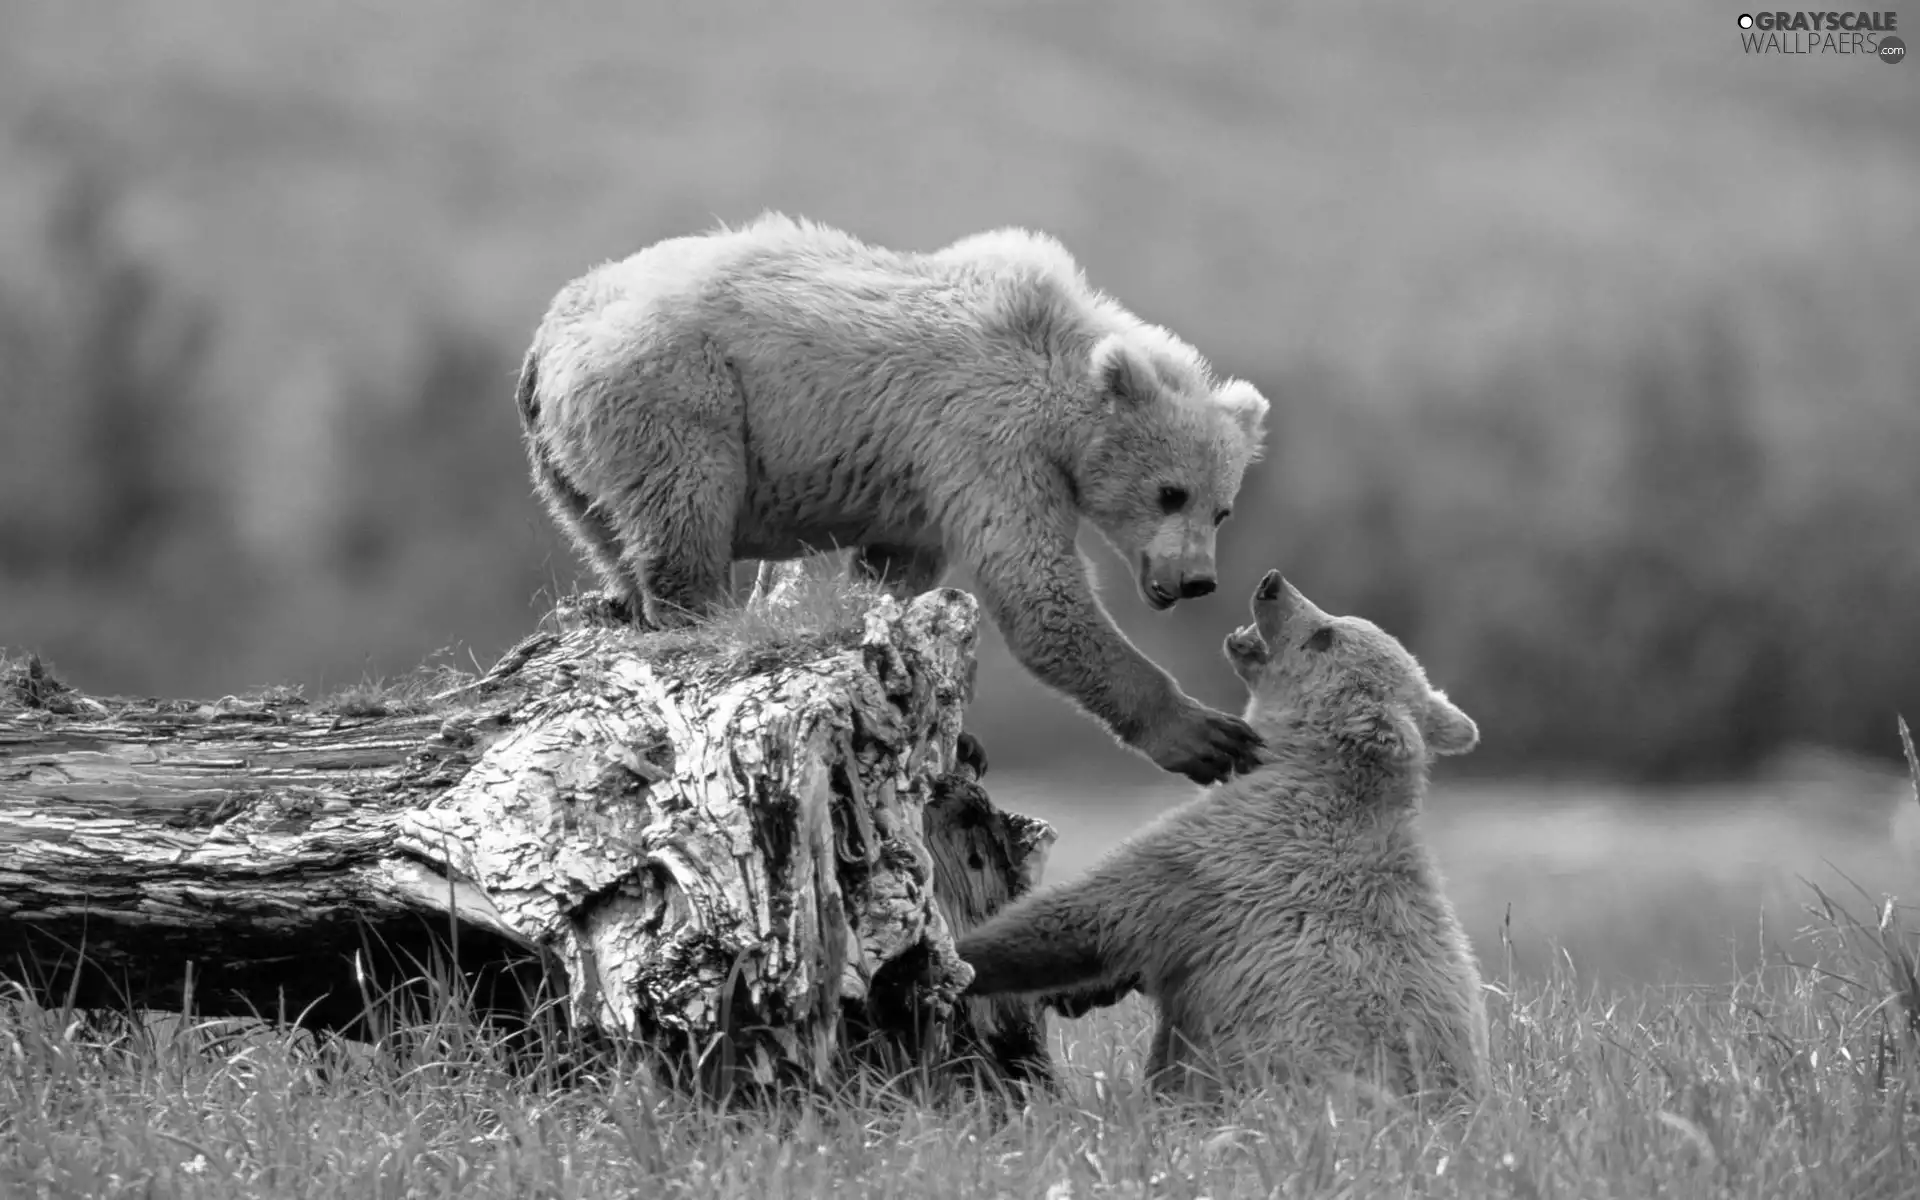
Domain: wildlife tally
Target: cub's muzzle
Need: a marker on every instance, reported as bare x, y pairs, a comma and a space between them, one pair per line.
1275, 602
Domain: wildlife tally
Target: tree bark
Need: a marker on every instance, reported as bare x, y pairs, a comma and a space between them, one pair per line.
748, 853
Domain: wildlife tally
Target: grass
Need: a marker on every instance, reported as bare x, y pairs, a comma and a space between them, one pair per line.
405, 695
26, 680
1799, 1080
1797, 1074
1636, 885
819, 611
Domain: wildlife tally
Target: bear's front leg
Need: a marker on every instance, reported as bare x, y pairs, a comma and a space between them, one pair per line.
1040, 598
1049, 942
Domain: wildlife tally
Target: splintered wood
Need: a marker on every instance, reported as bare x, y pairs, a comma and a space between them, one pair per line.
757, 862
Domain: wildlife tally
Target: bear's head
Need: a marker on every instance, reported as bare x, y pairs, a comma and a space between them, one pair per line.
1163, 465
1344, 677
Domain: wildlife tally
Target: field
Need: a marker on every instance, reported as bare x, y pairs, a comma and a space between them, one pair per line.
1634, 886
1591, 347
1712, 993
1633, 1057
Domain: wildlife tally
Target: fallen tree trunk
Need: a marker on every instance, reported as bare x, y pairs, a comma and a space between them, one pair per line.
746, 849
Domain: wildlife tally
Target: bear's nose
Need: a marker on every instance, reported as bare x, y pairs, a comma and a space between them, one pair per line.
1194, 586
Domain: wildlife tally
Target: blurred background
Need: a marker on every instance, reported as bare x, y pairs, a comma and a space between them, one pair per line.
1591, 342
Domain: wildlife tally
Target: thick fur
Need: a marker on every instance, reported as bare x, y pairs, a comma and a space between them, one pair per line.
1290, 921
782, 388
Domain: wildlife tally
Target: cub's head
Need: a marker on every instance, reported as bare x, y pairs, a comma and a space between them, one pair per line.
1164, 464
1344, 676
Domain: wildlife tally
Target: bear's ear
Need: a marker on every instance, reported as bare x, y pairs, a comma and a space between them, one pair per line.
1120, 372
1248, 408
1381, 733
1446, 728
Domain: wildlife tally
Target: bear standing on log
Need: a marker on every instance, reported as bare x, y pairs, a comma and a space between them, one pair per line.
783, 388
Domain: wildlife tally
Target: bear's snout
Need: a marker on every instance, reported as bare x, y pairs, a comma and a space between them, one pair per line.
1167, 581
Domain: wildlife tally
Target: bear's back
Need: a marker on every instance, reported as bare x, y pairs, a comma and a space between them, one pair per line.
772, 249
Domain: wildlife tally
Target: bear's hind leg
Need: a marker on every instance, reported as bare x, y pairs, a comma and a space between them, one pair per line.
677, 541
903, 571
591, 535
1175, 1066
663, 454
1160, 1059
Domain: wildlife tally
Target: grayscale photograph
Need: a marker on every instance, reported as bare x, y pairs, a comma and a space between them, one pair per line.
1046, 601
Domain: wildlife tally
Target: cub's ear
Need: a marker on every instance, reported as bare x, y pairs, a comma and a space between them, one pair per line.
1383, 733
1248, 408
1446, 728
1121, 373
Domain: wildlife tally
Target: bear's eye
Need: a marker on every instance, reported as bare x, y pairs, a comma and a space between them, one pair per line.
1221, 516
1321, 639
1173, 499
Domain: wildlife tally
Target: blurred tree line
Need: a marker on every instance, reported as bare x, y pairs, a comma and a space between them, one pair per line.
1619, 561
125, 506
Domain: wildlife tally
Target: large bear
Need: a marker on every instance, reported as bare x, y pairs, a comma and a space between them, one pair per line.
1290, 922
782, 388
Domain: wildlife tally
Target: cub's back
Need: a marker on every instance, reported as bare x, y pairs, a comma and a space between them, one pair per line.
833, 343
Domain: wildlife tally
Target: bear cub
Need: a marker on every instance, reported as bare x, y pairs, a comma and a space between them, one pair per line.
1289, 923
783, 388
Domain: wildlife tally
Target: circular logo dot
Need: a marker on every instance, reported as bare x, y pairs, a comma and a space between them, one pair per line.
1746, 20
1892, 49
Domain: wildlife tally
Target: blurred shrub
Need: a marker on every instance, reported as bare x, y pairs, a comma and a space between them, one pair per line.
1627, 569
101, 360
124, 478
437, 467
1621, 553
1662, 545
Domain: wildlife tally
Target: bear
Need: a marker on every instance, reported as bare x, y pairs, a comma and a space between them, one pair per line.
1289, 923
782, 388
